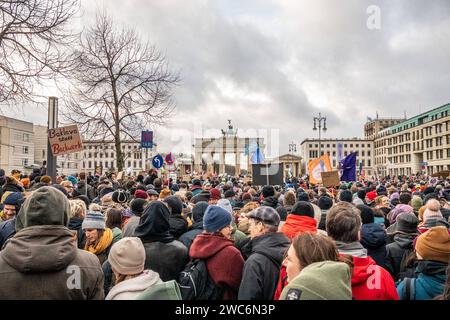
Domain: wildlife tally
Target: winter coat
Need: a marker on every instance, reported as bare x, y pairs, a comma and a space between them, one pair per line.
264, 255
75, 224
82, 190
131, 288
323, 220
403, 243
178, 225
132, 223
429, 283
223, 261
164, 254
296, 224
369, 281
188, 237
271, 202
196, 190
7, 230
51, 262
373, 238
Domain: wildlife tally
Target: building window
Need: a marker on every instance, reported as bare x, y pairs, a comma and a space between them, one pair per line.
25, 150
129, 164
26, 137
43, 153
112, 164
90, 164
310, 145
24, 162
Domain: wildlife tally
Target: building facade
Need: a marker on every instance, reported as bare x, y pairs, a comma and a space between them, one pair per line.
373, 126
16, 145
419, 144
309, 149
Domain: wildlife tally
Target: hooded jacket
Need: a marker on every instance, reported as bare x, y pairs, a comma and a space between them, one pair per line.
264, 256
429, 283
131, 288
178, 225
7, 230
325, 280
403, 243
223, 261
373, 238
296, 224
75, 224
271, 202
40, 261
164, 254
81, 188
369, 281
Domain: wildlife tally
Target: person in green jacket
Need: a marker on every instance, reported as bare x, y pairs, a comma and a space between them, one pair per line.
314, 270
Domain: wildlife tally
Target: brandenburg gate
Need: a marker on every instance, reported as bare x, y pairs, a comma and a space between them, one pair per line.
229, 143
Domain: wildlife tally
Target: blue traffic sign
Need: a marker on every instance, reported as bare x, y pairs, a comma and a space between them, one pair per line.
157, 161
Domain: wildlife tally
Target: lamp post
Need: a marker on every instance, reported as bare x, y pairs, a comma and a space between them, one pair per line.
318, 122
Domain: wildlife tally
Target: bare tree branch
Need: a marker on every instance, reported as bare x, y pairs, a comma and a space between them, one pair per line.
121, 84
34, 37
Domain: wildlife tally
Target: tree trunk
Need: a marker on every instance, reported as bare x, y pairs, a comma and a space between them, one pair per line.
119, 161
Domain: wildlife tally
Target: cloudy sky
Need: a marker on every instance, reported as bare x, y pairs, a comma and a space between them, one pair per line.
275, 64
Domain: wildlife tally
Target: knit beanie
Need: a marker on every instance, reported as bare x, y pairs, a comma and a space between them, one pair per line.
140, 194
229, 194
216, 218
225, 204
268, 191
94, 220
127, 256
45, 206
407, 223
215, 194
175, 204
416, 203
434, 244
367, 215
72, 179
325, 203
119, 196
432, 210
303, 208
14, 199
303, 196
199, 211
137, 205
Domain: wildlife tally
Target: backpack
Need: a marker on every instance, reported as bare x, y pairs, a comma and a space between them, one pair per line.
196, 284
410, 289
408, 265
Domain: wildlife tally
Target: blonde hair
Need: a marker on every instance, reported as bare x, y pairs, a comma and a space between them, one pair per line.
164, 193
249, 207
95, 207
77, 208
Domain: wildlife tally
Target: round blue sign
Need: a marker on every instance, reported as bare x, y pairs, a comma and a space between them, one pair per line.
157, 161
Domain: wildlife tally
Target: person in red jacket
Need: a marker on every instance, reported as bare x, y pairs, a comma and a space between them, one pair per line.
223, 261
299, 220
369, 281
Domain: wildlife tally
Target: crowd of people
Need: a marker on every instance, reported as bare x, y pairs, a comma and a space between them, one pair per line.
144, 237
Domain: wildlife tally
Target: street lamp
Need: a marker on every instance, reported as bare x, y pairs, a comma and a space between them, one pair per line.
318, 121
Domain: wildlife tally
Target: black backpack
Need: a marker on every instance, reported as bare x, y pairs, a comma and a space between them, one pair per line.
196, 284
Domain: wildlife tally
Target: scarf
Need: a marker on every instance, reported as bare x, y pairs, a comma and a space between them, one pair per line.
354, 249
102, 245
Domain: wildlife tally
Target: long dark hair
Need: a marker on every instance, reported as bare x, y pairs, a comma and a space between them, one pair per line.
113, 218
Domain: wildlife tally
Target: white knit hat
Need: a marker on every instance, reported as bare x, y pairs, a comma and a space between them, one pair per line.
433, 210
127, 256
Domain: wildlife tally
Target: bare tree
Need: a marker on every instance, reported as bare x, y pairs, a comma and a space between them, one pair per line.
121, 85
33, 35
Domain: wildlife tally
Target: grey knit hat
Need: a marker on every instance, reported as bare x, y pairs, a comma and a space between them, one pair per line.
94, 220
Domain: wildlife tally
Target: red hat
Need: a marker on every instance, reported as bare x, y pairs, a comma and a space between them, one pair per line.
371, 195
215, 194
140, 194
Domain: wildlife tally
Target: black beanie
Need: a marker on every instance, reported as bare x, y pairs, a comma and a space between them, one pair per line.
175, 204
303, 196
367, 215
303, 208
346, 195
362, 194
137, 206
199, 211
268, 191
119, 196
325, 203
